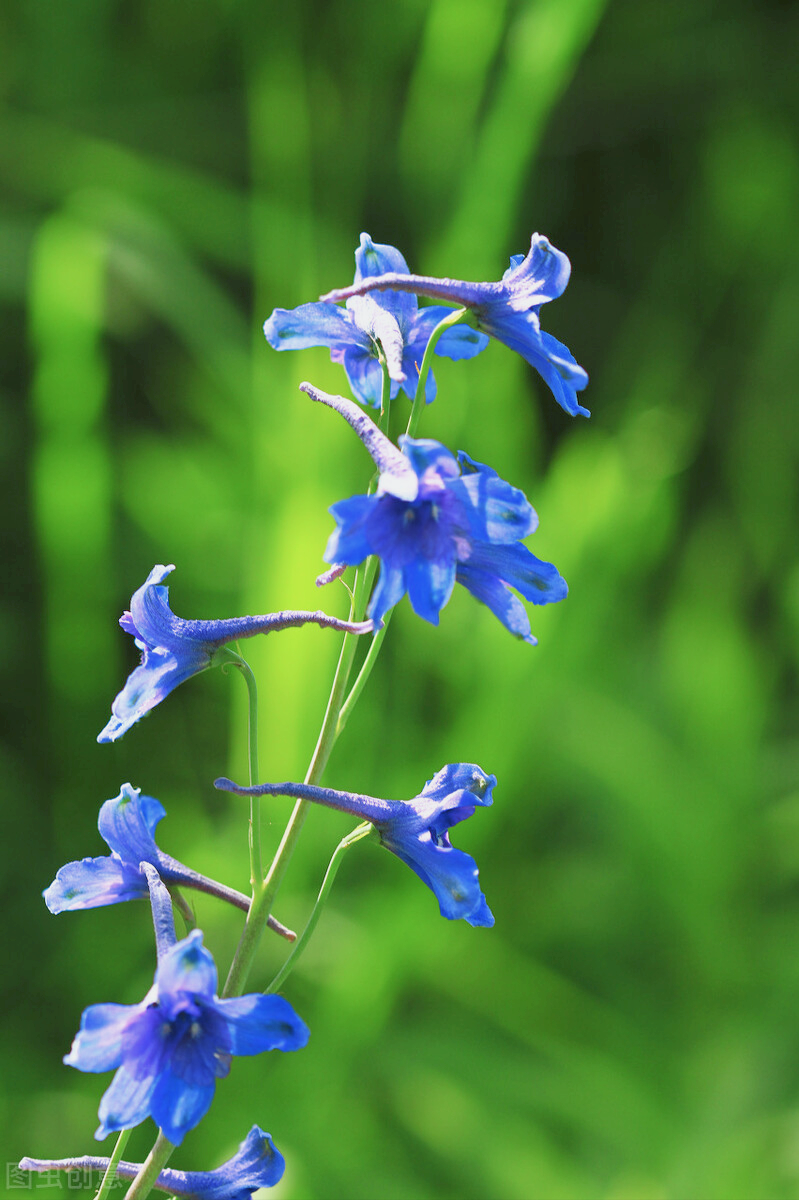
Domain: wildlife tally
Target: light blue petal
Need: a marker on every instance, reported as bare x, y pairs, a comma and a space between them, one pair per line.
378, 258
258, 1022
93, 883
158, 674
317, 324
125, 1104
127, 825
426, 454
187, 967
503, 604
98, 1043
541, 276
177, 1107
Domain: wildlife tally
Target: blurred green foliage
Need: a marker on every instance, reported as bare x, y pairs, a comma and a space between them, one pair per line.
171, 172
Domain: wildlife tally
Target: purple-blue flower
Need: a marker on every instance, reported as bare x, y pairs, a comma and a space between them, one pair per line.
173, 649
127, 824
392, 321
436, 521
416, 830
257, 1163
169, 1051
506, 310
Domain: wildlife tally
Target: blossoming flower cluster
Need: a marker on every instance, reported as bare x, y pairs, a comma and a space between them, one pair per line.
431, 519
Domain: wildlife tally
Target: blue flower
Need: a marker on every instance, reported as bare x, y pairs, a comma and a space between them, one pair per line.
127, 824
169, 1051
173, 649
257, 1163
436, 521
507, 310
355, 334
416, 830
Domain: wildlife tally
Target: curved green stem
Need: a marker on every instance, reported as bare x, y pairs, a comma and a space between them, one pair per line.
110, 1172
424, 370
363, 675
151, 1168
362, 831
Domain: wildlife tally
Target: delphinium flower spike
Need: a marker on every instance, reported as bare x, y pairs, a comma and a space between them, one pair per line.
416, 830
463, 526
506, 309
169, 1050
127, 824
256, 1164
390, 324
173, 649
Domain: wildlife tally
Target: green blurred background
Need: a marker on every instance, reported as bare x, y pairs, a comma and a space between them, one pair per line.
170, 173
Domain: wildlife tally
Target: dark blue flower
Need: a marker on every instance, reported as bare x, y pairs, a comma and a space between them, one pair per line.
416, 830
257, 1163
355, 334
507, 310
436, 521
169, 1051
173, 649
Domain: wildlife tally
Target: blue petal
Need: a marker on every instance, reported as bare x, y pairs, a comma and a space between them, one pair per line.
425, 455
177, 1107
492, 592
187, 967
540, 276
351, 543
256, 1164
259, 1022
202, 1053
557, 367
94, 882
498, 512
449, 873
98, 1043
460, 341
125, 1104
462, 776
127, 824
389, 591
377, 258
365, 375
429, 587
159, 674
538, 581
317, 324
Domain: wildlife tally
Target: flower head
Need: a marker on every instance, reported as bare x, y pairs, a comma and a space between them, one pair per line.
390, 323
173, 649
169, 1051
435, 521
257, 1163
506, 310
416, 830
127, 824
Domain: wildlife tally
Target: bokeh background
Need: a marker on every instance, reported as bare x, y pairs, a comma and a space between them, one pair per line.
170, 173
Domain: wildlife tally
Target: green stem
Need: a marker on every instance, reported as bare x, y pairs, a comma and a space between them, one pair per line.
362, 831
424, 370
363, 675
151, 1168
111, 1170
